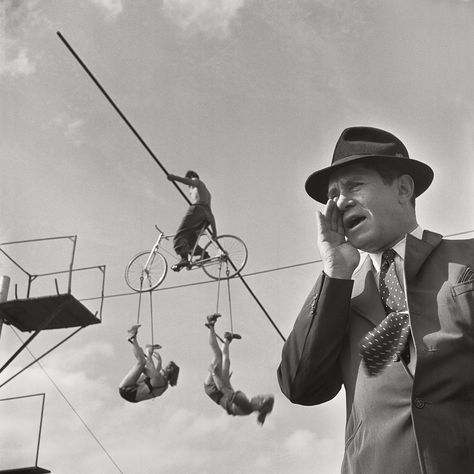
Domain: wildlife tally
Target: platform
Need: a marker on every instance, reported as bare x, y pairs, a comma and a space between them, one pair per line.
46, 312
25, 470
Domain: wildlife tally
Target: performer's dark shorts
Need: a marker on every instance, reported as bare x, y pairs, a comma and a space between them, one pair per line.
213, 392
129, 392
226, 401
229, 403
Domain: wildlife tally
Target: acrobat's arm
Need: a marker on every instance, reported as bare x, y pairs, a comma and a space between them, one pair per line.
179, 179
158, 360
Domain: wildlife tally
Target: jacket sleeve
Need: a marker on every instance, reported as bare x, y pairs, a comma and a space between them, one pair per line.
309, 372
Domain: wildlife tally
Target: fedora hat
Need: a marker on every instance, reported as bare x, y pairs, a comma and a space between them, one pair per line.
369, 145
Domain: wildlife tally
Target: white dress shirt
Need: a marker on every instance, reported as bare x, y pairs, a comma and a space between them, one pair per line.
399, 258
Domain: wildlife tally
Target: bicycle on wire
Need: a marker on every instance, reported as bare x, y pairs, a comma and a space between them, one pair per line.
224, 257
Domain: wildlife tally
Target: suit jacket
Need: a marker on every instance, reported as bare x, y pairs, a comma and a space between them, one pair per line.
396, 423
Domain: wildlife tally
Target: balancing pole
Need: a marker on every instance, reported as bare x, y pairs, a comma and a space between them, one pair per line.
148, 149
112, 103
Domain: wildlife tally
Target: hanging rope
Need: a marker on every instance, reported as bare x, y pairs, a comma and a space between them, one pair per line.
152, 329
151, 318
218, 288
230, 302
139, 300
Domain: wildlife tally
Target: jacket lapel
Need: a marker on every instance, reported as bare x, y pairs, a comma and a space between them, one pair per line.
417, 251
365, 295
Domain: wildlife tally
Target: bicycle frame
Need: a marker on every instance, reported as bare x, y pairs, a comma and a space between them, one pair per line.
201, 262
161, 236
193, 264
151, 265
154, 249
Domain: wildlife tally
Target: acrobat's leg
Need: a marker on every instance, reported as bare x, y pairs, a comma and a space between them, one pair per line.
198, 251
226, 361
181, 238
134, 374
228, 338
187, 234
216, 363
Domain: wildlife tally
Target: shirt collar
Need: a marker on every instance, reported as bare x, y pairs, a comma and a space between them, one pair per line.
398, 247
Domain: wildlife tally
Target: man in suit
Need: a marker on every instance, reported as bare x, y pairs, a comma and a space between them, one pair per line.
391, 317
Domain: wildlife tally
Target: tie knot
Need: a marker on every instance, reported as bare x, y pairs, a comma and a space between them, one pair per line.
388, 257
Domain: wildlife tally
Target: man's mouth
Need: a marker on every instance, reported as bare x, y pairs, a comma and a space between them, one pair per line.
354, 221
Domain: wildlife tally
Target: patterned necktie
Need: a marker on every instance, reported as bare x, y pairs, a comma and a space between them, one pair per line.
386, 342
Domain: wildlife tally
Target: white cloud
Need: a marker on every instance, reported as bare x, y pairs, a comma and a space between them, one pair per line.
310, 450
18, 65
71, 359
73, 130
112, 8
71, 127
14, 56
212, 17
301, 441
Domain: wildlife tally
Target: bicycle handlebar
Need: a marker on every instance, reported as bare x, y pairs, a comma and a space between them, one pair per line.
163, 236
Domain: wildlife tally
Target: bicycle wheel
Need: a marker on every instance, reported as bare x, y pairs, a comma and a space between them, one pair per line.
228, 257
141, 279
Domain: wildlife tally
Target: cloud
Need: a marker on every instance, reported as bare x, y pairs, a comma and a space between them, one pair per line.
212, 17
14, 56
71, 127
302, 441
15, 63
73, 130
308, 449
19, 434
112, 8
71, 359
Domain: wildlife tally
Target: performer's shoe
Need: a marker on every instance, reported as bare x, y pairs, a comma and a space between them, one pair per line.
133, 332
231, 335
201, 253
153, 346
265, 409
211, 320
184, 262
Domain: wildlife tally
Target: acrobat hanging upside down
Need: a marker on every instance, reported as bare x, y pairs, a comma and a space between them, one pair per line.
147, 380
218, 387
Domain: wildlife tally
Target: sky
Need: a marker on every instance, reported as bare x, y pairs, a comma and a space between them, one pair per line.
253, 95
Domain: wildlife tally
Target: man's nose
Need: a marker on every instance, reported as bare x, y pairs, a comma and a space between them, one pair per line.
344, 202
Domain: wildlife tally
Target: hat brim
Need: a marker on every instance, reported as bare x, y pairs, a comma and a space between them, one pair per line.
317, 183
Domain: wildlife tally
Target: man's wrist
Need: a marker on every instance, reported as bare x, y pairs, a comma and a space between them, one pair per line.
338, 273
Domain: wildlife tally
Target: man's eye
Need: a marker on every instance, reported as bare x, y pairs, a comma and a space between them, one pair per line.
355, 186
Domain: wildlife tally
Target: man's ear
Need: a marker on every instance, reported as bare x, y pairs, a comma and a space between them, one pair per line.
406, 188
